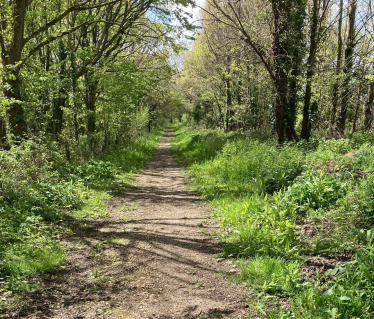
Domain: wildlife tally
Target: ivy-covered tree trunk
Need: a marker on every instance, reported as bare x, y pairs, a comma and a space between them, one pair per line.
295, 47
288, 39
281, 79
14, 112
291, 107
11, 57
280, 100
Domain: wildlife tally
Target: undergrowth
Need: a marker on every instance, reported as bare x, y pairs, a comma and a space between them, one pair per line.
299, 219
41, 194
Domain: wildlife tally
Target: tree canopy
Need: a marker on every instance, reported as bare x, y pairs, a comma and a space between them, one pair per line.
294, 68
84, 68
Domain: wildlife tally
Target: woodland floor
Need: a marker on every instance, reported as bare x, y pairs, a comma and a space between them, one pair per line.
152, 257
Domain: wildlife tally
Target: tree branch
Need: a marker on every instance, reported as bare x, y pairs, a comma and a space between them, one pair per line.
53, 38
76, 7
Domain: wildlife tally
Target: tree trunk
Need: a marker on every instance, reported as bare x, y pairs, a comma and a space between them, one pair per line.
313, 116
106, 135
310, 71
288, 50
347, 71
290, 114
221, 123
151, 109
239, 91
90, 101
57, 115
369, 108
2, 131
76, 126
15, 113
280, 99
228, 106
336, 88
11, 86
355, 117
60, 101
280, 94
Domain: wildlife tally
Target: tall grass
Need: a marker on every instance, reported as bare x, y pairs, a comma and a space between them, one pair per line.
298, 218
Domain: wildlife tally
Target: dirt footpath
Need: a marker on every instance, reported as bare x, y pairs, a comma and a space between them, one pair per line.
153, 257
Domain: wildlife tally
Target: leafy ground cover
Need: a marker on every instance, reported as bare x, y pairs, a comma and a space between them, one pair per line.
299, 219
41, 193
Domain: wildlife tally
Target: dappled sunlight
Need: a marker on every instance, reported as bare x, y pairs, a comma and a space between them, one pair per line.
151, 257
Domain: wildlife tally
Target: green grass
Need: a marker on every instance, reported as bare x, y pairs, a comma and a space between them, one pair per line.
237, 165
41, 193
93, 205
198, 147
24, 259
286, 214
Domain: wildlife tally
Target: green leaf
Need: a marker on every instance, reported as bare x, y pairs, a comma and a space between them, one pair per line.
344, 298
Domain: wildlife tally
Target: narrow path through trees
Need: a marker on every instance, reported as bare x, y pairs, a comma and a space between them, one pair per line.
152, 257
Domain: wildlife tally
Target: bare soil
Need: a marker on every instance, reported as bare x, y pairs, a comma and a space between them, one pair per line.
152, 257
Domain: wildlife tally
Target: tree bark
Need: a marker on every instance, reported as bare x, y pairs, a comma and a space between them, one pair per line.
280, 99
281, 83
11, 56
90, 101
15, 112
2, 132
60, 102
347, 71
151, 109
228, 105
336, 88
290, 113
355, 117
369, 108
310, 71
